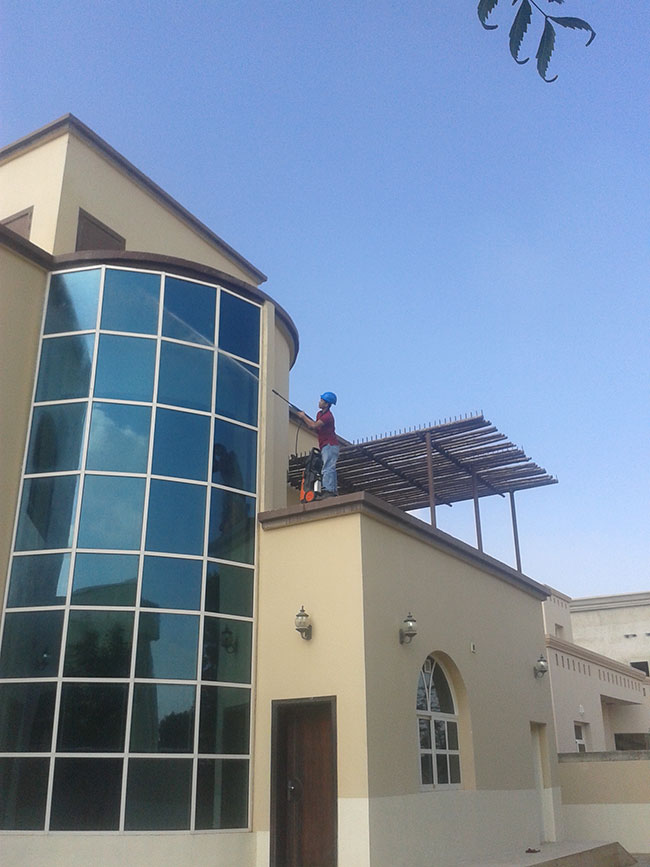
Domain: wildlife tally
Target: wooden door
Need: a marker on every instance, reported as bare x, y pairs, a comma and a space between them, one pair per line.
303, 783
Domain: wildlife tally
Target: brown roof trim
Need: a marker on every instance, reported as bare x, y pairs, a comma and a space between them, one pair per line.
578, 650
25, 248
366, 504
72, 124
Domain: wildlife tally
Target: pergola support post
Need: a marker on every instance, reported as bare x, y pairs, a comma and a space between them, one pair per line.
477, 515
515, 531
432, 492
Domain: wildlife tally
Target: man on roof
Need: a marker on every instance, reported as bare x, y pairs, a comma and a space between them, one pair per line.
327, 441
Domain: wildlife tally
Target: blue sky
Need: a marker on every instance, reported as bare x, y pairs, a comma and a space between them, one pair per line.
449, 233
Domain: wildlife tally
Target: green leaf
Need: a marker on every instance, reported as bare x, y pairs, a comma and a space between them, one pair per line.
485, 7
545, 49
576, 24
518, 30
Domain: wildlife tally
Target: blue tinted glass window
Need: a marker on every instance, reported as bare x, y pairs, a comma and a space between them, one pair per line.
176, 517
226, 650
189, 311
239, 327
64, 371
92, 717
237, 389
56, 438
72, 302
31, 644
41, 579
158, 794
167, 646
46, 513
105, 579
185, 376
229, 589
119, 438
125, 367
168, 582
163, 718
23, 783
111, 512
222, 794
130, 301
234, 456
26, 717
225, 720
232, 526
98, 644
181, 445
86, 795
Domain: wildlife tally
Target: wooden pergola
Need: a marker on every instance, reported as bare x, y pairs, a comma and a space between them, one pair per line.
440, 464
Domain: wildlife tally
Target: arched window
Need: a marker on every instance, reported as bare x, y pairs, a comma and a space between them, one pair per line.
437, 728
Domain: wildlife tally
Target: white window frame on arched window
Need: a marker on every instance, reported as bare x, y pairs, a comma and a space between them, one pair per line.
437, 720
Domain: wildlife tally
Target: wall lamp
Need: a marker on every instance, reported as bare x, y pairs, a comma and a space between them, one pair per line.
541, 666
407, 630
303, 624
228, 640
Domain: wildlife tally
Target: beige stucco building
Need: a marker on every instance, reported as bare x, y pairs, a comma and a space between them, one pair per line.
157, 704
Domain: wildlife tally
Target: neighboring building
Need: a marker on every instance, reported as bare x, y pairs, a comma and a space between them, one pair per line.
157, 705
617, 626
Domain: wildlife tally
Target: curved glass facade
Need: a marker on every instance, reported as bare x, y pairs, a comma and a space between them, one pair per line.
126, 651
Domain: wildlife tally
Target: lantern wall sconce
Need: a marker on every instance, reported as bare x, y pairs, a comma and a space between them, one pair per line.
407, 630
541, 666
228, 640
303, 624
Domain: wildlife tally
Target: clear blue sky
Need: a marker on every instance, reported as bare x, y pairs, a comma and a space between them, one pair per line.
449, 233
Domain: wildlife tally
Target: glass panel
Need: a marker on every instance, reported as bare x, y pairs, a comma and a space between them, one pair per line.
239, 327
158, 794
426, 770
237, 389
125, 367
234, 456
72, 302
225, 720
176, 517
441, 769
86, 795
222, 794
232, 526
46, 513
421, 702
56, 439
454, 769
111, 512
185, 376
168, 582
105, 579
181, 445
189, 311
26, 717
99, 644
23, 783
226, 650
163, 718
229, 589
440, 734
452, 735
119, 438
92, 717
31, 644
64, 372
167, 646
131, 301
425, 734
40, 579
441, 699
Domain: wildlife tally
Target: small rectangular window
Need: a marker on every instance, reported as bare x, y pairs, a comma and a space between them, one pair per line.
642, 666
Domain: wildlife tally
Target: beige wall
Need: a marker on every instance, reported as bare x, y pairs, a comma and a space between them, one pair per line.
22, 292
604, 629
557, 616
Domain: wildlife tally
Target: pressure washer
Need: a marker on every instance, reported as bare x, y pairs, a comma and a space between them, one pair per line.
311, 483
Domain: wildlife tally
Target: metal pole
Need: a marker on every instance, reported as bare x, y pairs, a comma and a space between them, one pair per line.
515, 531
477, 516
432, 493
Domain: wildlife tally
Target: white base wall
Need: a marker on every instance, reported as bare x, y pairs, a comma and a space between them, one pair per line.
455, 826
354, 831
133, 850
628, 824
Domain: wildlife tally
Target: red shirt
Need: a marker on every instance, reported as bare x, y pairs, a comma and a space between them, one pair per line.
326, 435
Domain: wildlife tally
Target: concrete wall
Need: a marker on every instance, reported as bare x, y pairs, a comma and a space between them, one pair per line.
557, 616
616, 626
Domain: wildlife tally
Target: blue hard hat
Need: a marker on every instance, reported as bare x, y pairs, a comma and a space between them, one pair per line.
328, 397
